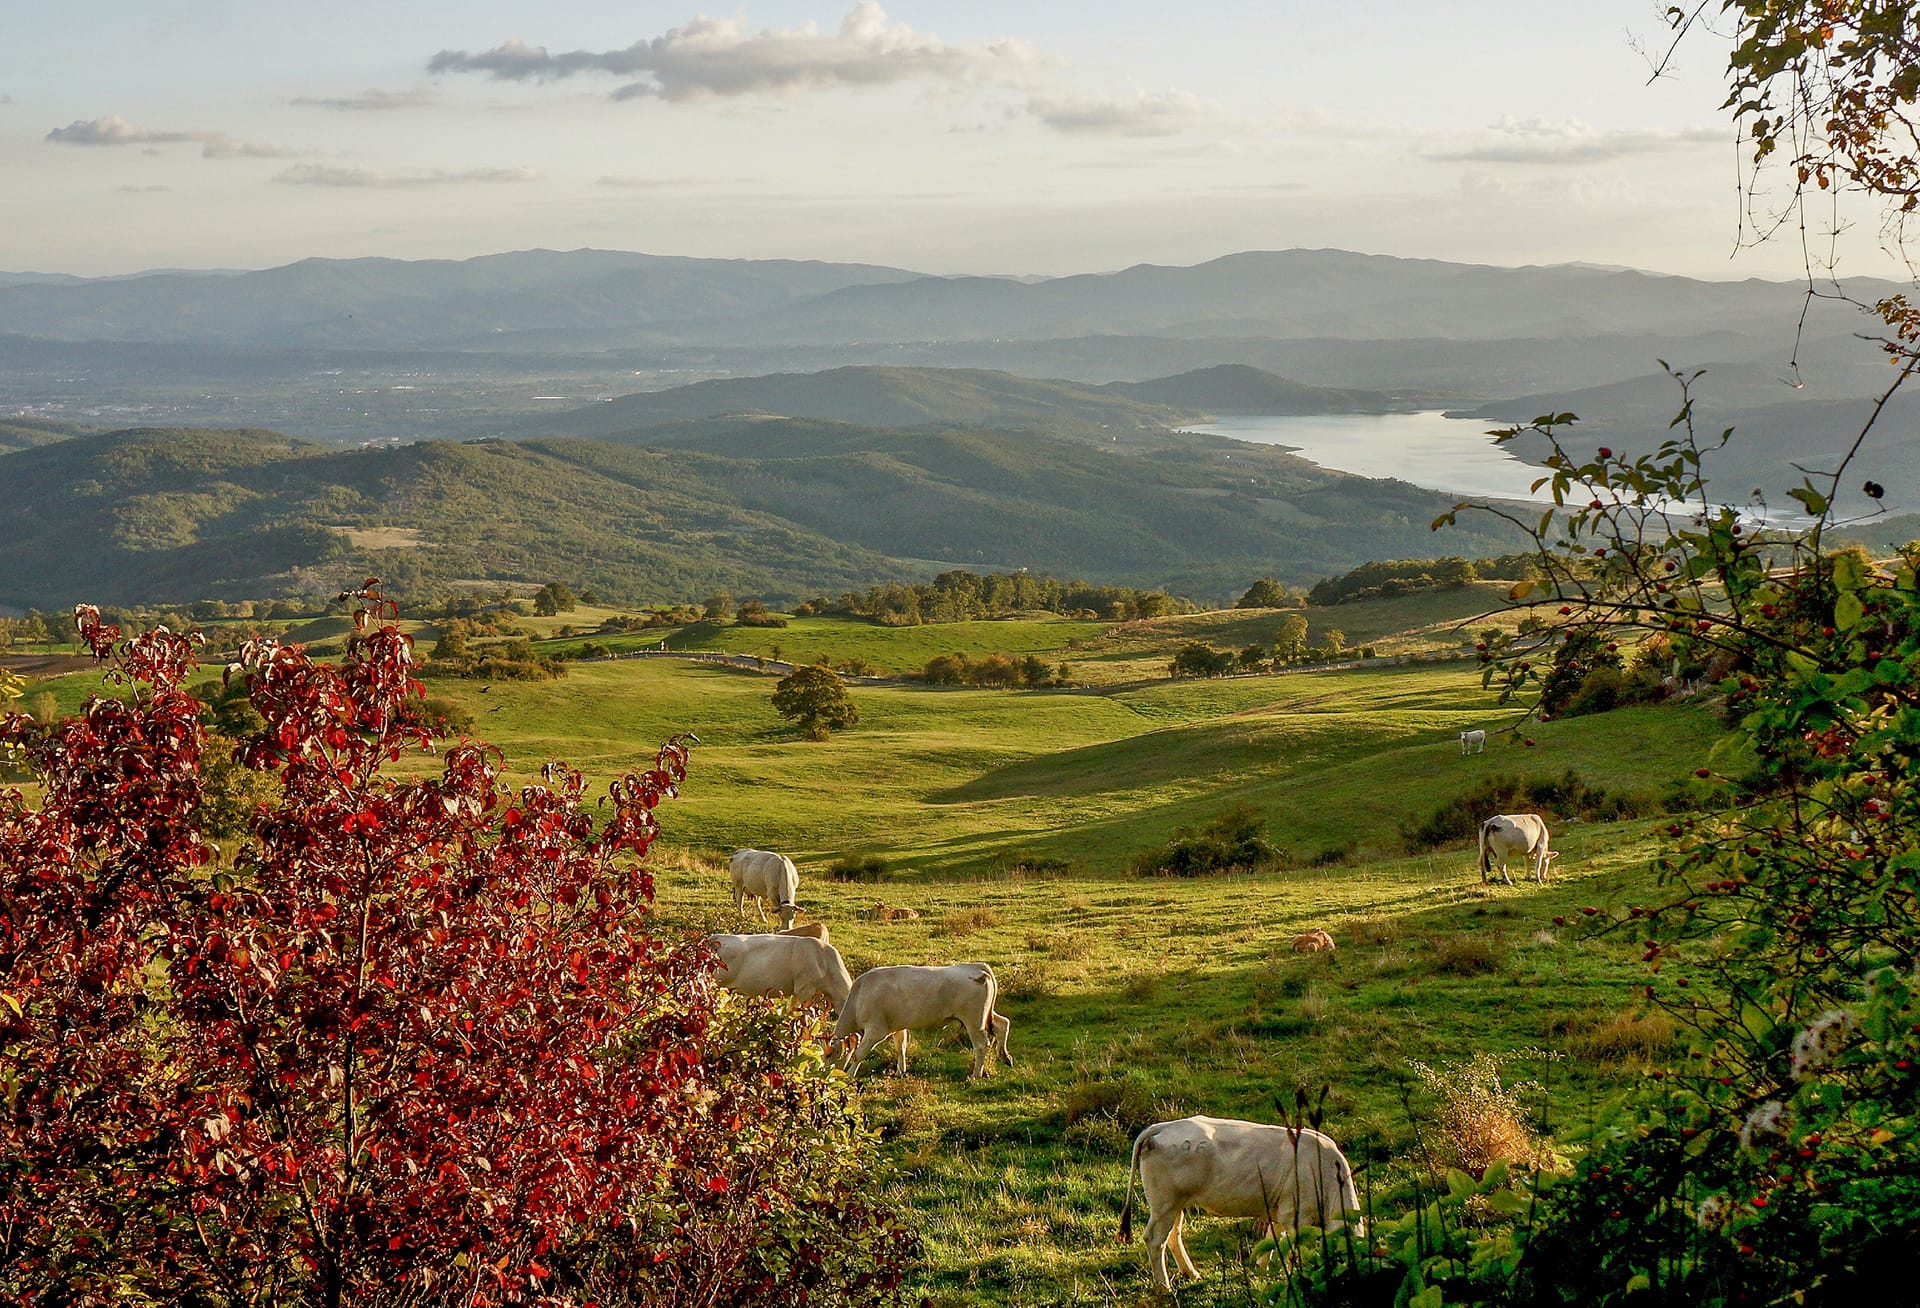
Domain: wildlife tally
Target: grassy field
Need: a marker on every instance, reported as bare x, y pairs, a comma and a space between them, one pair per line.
1138, 999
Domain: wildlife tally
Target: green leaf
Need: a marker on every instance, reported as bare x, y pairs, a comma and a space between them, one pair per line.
1506, 1203
1638, 1281
1849, 572
1814, 502
1848, 609
1427, 1298
1495, 1178
1459, 1184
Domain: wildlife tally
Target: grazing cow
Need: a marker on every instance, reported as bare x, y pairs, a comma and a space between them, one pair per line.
891, 1001
816, 930
782, 965
1473, 742
765, 878
1282, 1178
1506, 836
1313, 942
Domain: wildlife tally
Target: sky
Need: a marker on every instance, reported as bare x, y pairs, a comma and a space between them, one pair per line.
984, 137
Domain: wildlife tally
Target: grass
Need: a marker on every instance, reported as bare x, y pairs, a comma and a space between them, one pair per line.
1006, 821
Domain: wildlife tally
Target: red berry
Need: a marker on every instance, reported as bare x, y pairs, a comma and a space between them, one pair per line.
1703, 772
1605, 453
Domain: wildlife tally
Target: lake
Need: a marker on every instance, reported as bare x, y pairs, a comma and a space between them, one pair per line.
1429, 449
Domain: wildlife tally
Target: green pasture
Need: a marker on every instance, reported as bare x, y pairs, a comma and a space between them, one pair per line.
1139, 999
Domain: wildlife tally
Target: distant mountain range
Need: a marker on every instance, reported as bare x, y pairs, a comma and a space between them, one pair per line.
626, 300
416, 304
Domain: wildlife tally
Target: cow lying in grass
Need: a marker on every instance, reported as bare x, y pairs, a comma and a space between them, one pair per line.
892, 1001
1282, 1178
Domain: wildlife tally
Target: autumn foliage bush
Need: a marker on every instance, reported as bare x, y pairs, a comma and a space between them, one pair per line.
409, 1040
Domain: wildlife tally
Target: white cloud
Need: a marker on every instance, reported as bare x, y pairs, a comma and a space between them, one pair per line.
1570, 142
140, 190
706, 58
115, 130
366, 101
330, 175
1138, 113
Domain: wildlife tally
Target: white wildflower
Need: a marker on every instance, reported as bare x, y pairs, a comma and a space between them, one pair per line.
1715, 1212
1815, 1048
1767, 1121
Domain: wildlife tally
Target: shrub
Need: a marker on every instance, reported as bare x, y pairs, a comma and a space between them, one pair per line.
860, 867
1480, 1120
414, 1041
1233, 841
1569, 795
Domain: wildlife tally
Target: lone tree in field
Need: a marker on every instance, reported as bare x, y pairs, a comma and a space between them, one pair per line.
816, 698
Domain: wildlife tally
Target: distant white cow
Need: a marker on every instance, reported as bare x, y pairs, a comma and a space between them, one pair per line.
891, 1001
1473, 742
800, 966
765, 878
1506, 836
1281, 1178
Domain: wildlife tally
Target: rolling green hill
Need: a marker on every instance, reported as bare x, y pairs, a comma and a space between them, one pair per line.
774, 508
1239, 388
25, 433
877, 397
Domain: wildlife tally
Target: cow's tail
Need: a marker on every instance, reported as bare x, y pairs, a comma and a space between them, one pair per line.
1140, 1142
1486, 864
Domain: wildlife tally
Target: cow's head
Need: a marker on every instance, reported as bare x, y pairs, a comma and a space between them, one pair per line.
788, 912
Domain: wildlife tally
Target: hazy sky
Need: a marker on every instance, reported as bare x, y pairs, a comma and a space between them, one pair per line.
1073, 135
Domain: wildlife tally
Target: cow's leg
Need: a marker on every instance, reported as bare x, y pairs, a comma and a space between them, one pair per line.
900, 1039
760, 904
1002, 1028
982, 1041
1159, 1228
1178, 1243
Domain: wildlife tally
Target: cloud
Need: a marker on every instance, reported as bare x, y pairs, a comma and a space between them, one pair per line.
707, 58
367, 101
664, 183
329, 175
115, 130
1543, 141
1139, 113
140, 190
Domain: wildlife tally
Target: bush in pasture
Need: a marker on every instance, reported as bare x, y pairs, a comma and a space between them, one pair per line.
1233, 841
412, 1041
860, 867
754, 613
1196, 658
1568, 795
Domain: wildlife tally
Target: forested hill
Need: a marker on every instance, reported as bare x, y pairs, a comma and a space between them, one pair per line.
771, 507
877, 397
1239, 388
24, 433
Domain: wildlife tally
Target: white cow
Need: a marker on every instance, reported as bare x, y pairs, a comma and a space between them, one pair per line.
800, 966
765, 878
891, 1001
1505, 836
1281, 1178
1476, 739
